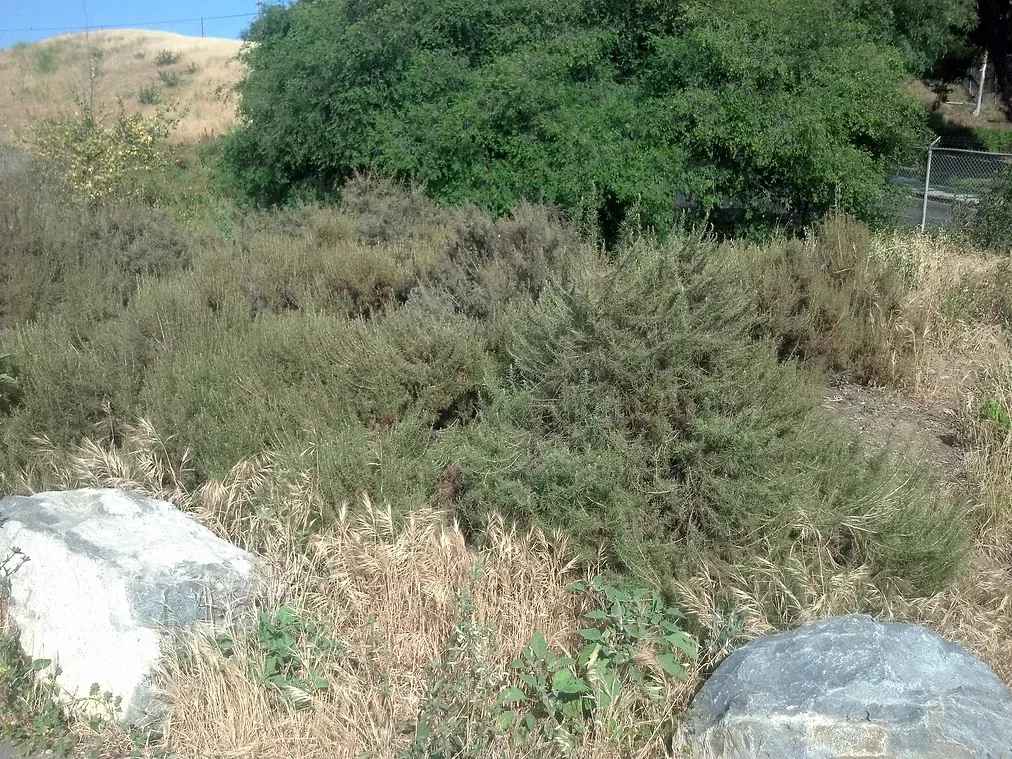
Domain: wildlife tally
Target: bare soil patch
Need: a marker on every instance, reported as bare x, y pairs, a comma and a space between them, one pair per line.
887, 420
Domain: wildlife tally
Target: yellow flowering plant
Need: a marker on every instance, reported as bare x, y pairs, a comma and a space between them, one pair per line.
97, 155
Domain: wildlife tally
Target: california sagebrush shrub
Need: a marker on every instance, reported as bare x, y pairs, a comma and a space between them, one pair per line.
637, 413
79, 261
621, 396
832, 302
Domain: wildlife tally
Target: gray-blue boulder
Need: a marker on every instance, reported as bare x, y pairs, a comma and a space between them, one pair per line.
851, 687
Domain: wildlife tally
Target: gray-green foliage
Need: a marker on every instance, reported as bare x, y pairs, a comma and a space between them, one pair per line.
166, 57
632, 398
595, 105
149, 94
630, 416
456, 716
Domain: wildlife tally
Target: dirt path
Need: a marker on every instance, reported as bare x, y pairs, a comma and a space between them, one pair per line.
884, 419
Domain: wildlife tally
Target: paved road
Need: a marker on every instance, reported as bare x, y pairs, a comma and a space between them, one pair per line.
940, 202
939, 212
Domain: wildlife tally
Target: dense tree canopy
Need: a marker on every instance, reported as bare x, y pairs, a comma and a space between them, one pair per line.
926, 31
596, 105
995, 35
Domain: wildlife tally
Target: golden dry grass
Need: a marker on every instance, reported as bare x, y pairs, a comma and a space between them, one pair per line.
945, 273
40, 81
399, 599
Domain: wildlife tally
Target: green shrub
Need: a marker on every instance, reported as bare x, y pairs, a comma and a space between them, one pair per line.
77, 261
630, 419
149, 95
489, 265
46, 60
166, 57
563, 103
831, 302
630, 398
170, 79
385, 212
989, 225
99, 156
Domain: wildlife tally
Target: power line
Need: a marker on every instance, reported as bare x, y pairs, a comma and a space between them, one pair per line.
125, 26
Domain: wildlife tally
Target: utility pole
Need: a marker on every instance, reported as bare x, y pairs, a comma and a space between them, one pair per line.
201, 26
91, 60
980, 85
260, 8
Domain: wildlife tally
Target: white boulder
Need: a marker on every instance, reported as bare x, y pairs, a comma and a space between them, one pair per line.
104, 578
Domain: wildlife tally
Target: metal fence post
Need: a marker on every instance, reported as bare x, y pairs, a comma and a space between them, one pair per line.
927, 186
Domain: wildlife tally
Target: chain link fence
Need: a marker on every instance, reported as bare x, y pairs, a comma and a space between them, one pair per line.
947, 184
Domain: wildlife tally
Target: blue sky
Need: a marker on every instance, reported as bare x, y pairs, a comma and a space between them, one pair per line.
42, 14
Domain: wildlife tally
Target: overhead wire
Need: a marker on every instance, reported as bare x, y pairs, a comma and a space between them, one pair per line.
95, 27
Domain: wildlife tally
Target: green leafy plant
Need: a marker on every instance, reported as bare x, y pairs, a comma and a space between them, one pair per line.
994, 412
150, 94
455, 718
626, 620
288, 643
561, 694
552, 698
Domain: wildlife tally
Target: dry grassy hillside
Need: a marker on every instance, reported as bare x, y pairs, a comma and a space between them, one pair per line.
41, 80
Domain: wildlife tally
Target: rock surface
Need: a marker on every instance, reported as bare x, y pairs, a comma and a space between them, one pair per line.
851, 687
106, 577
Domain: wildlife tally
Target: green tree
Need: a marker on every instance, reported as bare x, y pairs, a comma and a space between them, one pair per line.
927, 31
594, 105
995, 35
